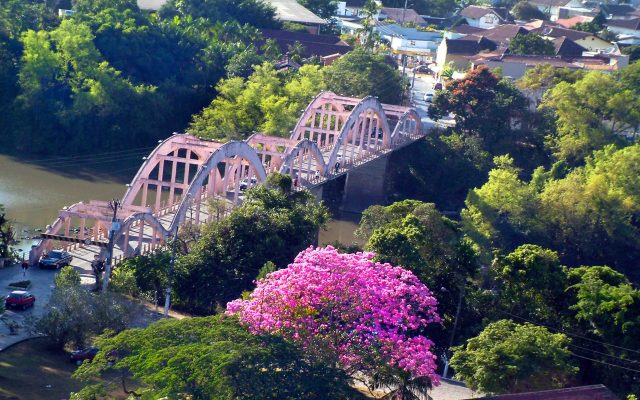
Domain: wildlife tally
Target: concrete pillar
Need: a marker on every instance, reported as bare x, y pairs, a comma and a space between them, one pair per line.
365, 186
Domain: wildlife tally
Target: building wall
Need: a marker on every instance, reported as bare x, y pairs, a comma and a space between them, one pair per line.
489, 21
593, 43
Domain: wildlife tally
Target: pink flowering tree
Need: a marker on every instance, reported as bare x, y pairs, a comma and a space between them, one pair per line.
365, 317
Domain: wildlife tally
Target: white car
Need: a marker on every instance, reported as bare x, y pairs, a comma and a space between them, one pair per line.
428, 97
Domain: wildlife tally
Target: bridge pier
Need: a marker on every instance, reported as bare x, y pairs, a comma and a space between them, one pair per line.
364, 187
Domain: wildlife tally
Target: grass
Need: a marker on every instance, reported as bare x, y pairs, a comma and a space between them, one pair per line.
31, 371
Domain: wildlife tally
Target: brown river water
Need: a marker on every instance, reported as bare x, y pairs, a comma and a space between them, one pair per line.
33, 192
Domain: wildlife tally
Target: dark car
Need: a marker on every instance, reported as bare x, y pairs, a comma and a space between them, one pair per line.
19, 299
79, 356
55, 259
423, 69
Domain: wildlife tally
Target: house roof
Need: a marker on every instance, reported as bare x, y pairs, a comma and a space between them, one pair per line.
618, 10
476, 12
571, 22
550, 3
502, 34
565, 47
467, 29
314, 45
292, 11
633, 24
407, 33
469, 45
593, 392
402, 15
557, 31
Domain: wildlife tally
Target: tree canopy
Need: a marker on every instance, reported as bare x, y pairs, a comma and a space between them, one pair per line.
348, 310
525, 11
510, 358
214, 358
270, 225
531, 44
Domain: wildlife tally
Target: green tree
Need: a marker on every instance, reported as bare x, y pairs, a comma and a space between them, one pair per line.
525, 11
323, 8
215, 358
255, 12
531, 44
361, 73
633, 52
270, 225
73, 315
590, 113
531, 283
7, 235
67, 277
510, 358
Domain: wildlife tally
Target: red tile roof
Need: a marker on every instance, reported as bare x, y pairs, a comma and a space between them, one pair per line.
594, 392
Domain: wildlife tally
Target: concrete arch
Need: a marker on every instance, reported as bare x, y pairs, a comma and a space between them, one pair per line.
228, 151
409, 115
148, 218
313, 148
367, 104
172, 143
321, 99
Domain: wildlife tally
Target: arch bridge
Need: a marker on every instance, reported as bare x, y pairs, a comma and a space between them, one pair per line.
187, 180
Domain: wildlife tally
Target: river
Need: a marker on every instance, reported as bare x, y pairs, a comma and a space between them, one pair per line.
32, 192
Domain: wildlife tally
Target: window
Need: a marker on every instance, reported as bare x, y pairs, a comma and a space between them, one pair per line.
412, 42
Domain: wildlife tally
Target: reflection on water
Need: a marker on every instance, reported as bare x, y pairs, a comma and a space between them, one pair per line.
32, 193
341, 229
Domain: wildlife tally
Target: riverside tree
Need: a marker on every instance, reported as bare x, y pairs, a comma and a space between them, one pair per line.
350, 311
212, 358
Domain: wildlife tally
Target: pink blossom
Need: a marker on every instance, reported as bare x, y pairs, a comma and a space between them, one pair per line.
348, 309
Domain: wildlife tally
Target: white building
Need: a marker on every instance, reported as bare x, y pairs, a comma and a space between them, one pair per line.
485, 17
418, 44
552, 7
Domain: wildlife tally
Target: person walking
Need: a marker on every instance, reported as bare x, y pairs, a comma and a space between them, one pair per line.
25, 267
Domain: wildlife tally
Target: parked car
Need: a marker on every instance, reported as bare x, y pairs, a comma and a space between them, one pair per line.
79, 356
55, 259
19, 299
428, 97
423, 69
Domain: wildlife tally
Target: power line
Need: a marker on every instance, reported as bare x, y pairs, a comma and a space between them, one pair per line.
97, 158
570, 333
54, 159
605, 363
604, 354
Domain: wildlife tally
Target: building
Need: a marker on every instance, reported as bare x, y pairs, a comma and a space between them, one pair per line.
503, 34
292, 11
456, 52
585, 39
552, 7
327, 47
567, 48
286, 11
421, 45
485, 17
627, 27
401, 15
353, 8
573, 21
593, 392
619, 11
465, 29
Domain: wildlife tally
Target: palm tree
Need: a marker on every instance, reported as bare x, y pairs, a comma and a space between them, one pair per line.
369, 38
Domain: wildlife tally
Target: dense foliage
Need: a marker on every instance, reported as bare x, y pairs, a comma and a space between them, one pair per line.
270, 225
511, 358
93, 79
213, 358
525, 11
531, 44
347, 309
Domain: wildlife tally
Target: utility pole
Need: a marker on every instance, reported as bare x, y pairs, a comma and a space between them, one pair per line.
167, 298
453, 332
404, 66
114, 205
404, 11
